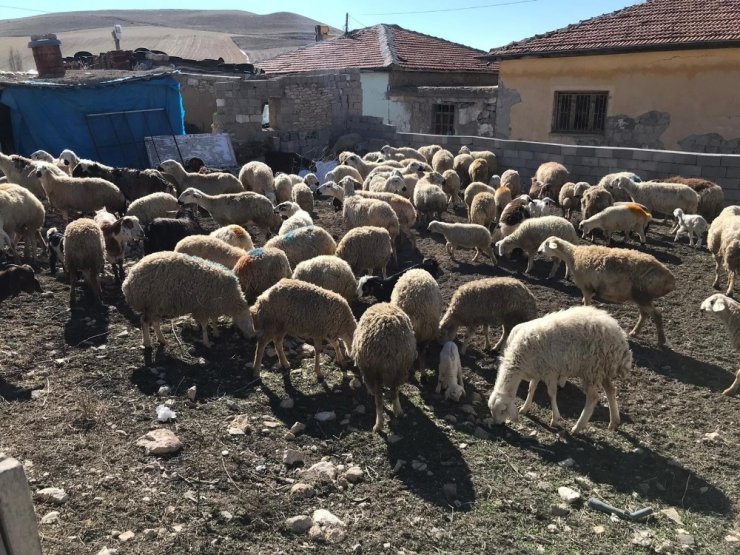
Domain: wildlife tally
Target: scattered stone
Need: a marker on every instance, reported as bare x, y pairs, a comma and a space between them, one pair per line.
297, 428
734, 537
463, 446
149, 533
177, 528
164, 391
192, 392
307, 350
37, 393
302, 490
584, 482
552, 528
322, 471
451, 418
643, 538
712, 437
567, 463
450, 490
51, 517
354, 474
394, 438
293, 457
159, 442
418, 465
226, 515
299, 524
325, 416
560, 509
569, 495
126, 536
165, 414
360, 409
107, 551
599, 530
240, 426
684, 539
287, 403
224, 453
480, 433
468, 409
57, 496
673, 515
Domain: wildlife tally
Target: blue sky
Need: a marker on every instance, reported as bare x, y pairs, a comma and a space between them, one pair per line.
483, 26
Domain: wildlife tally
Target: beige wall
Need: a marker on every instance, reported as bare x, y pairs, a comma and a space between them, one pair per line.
698, 89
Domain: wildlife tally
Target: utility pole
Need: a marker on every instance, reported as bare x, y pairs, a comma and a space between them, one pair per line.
346, 23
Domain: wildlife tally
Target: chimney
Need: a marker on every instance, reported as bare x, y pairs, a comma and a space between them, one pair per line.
322, 32
48, 55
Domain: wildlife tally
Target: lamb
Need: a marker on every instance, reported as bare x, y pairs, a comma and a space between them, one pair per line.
487, 155
394, 183
84, 251
237, 208
581, 342
363, 167
428, 152
451, 187
512, 180
404, 152
442, 160
483, 209
711, 195
210, 248
134, 184
461, 165
627, 218
543, 207
530, 235
260, 269
303, 196
293, 217
163, 234
662, 198
501, 301
430, 200
478, 171
80, 194
298, 308
15, 280
21, 212
219, 183
384, 349
728, 311
117, 233
449, 377
303, 243
715, 234
514, 214
382, 288
617, 276
365, 249
330, 272
234, 235
464, 236
570, 197
55, 242
155, 205
553, 176
171, 284
618, 195
472, 190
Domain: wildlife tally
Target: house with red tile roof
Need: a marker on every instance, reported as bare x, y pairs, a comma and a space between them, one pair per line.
659, 74
416, 82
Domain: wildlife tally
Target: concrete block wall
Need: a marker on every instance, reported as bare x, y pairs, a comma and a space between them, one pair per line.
18, 529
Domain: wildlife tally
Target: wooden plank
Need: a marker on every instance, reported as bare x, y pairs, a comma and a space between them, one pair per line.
214, 149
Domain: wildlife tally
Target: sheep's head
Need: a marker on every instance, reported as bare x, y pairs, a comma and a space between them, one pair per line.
435, 178
502, 408
169, 166
678, 213
190, 196
311, 180
550, 247
42, 155
395, 184
433, 226
330, 189
580, 188
244, 322
286, 209
349, 185
353, 161
495, 181
370, 286
131, 228
387, 150
69, 158
454, 392
504, 247
42, 170
464, 150
717, 303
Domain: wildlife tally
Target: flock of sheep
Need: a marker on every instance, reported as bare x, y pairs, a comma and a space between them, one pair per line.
301, 281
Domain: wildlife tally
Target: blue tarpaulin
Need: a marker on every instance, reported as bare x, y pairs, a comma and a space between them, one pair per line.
103, 121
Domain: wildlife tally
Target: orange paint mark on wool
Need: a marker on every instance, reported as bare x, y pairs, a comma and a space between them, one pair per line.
637, 209
238, 231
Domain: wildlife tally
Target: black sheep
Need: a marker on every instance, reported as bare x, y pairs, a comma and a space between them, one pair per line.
17, 279
381, 288
163, 234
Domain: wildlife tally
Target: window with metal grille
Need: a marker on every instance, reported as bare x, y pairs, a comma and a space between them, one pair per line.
580, 112
444, 119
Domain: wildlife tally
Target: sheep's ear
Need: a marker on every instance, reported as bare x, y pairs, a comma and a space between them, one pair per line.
552, 245
719, 305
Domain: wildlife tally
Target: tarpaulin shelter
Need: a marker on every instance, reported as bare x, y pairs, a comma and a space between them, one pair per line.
96, 115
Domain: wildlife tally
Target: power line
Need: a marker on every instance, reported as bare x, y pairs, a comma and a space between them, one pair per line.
23, 9
456, 9
360, 23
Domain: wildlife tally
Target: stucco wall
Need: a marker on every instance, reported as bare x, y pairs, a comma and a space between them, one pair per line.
375, 101
683, 100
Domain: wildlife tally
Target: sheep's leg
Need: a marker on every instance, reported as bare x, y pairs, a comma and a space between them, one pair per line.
644, 312
552, 392
730, 283
466, 340
279, 347
641, 235
203, 322
258, 354
592, 397
486, 335
611, 397
530, 396
477, 254
555, 267
146, 338
502, 340
158, 330
318, 347
385, 271
378, 392
397, 409
438, 390
489, 252
698, 240
530, 264
735, 385
658, 319
450, 250
587, 296
72, 283
715, 285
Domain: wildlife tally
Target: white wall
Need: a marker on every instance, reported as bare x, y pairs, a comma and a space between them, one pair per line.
375, 102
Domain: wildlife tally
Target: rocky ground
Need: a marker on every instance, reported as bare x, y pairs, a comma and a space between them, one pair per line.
290, 465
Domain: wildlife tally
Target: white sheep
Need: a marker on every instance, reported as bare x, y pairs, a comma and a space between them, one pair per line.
84, 251
21, 213
302, 195
580, 342
329, 272
403, 152
293, 217
451, 187
237, 208
217, 183
487, 302
472, 190
483, 209
543, 207
210, 248
298, 308
512, 180
155, 205
80, 194
530, 235
403, 208
234, 235
728, 311
428, 152
662, 198
726, 218
691, 224
430, 199
464, 236
359, 211
627, 218
461, 165
304, 243
171, 284
340, 172
617, 275
260, 269
42, 156
450, 372
283, 185
366, 248
552, 176
442, 160
22, 171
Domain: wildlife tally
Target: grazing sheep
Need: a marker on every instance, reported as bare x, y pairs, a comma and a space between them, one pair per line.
429, 151
449, 377
163, 234
283, 185
80, 194
21, 213
365, 249
219, 183
403, 208
84, 251
529, 237
662, 198
15, 280
478, 171
617, 276
134, 184
238, 208
464, 236
340, 172
382, 288
393, 183
442, 160
472, 190
260, 269
210, 248
329, 272
117, 233
512, 180
581, 342
293, 217
451, 187
303, 196
55, 242
714, 236
430, 199
594, 200
711, 195
234, 235
553, 176
501, 301
303, 243
539, 190
514, 214
570, 197
403, 152
384, 349
22, 171
298, 308
461, 165
728, 311
156, 205
483, 209
627, 218
171, 284
358, 211
618, 195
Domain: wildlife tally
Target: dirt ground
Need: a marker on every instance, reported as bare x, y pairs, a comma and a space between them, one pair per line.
76, 391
